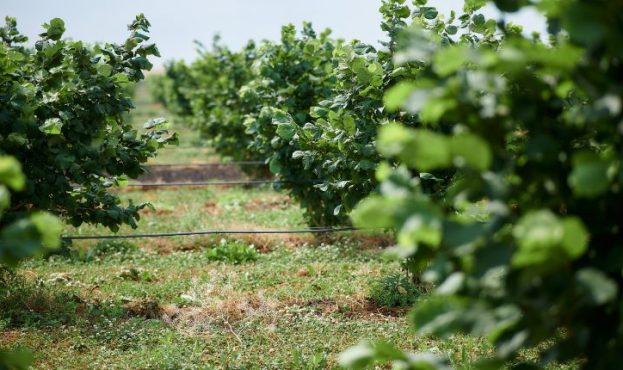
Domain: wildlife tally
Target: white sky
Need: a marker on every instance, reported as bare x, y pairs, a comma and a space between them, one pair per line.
175, 24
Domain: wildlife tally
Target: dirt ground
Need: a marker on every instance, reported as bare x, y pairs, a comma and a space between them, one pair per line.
190, 173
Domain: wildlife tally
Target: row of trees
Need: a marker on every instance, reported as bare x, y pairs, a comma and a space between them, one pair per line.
309, 105
65, 139
497, 162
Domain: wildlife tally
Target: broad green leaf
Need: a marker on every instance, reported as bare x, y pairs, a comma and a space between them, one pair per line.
439, 316
16, 359
393, 139
375, 212
11, 173
364, 355
423, 225
421, 149
452, 30
427, 151
275, 166
452, 284
52, 126
538, 234
317, 112
450, 59
510, 5
431, 13
349, 124
460, 237
575, 237
435, 106
49, 227
286, 131
357, 357
397, 95
596, 286
470, 150
121, 79
472, 5
104, 69
55, 29
53, 49
589, 177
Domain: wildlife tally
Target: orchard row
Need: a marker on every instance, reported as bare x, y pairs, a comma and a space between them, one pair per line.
495, 156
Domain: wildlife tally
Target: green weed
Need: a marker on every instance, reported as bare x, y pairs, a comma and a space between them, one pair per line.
395, 290
232, 251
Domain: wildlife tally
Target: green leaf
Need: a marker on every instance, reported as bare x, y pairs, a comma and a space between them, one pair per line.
366, 165
431, 13
349, 124
423, 225
510, 6
596, 286
434, 107
375, 211
575, 237
473, 5
318, 112
52, 126
55, 30
11, 173
470, 150
17, 359
452, 30
149, 49
397, 95
393, 139
286, 131
121, 79
421, 149
537, 233
49, 227
439, 316
53, 49
461, 236
357, 357
275, 166
589, 177
104, 69
449, 60
427, 151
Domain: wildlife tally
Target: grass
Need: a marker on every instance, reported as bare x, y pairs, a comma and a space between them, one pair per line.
167, 304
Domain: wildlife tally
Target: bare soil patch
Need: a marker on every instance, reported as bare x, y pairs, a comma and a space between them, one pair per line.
192, 173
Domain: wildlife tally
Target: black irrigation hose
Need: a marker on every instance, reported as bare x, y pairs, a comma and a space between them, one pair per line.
215, 183
312, 230
210, 164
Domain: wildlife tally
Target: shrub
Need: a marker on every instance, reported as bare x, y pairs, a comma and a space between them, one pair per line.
232, 251
394, 291
63, 115
525, 245
309, 105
